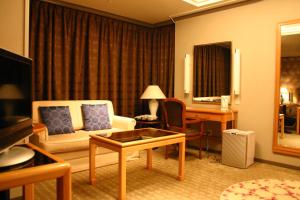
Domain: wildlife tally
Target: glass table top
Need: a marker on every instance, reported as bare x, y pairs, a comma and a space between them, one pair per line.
37, 160
137, 134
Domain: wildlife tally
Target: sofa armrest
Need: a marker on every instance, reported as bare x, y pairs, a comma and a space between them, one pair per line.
125, 123
40, 133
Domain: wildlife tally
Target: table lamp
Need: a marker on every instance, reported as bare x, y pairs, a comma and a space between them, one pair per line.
153, 92
8, 94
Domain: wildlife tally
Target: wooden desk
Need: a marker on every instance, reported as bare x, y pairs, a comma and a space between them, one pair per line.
56, 168
214, 115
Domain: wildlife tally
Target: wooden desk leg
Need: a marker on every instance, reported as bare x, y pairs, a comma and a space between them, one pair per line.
92, 163
235, 120
223, 126
149, 158
122, 174
281, 127
181, 160
28, 191
64, 186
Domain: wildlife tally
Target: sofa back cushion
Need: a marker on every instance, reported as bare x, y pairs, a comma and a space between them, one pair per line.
74, 107
57, 119
95, 117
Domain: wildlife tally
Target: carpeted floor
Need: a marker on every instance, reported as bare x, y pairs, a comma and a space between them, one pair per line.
204, 179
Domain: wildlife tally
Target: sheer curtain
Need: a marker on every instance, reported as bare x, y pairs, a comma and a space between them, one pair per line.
80, 55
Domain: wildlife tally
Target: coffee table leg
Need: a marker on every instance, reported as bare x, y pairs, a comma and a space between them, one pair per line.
64, 186
92, 162
122, 174
28, 191
181, 160
149, 158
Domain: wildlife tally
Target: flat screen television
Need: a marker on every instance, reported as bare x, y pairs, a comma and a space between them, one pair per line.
15, 99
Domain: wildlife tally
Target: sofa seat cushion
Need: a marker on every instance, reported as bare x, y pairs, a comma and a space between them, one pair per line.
72, 142
82, 153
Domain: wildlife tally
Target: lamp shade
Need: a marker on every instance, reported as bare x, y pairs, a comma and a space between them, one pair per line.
153, 92
10, 91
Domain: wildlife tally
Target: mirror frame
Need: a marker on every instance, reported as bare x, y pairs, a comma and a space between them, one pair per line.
278, 148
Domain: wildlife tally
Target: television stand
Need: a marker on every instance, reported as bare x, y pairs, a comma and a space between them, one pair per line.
15, 156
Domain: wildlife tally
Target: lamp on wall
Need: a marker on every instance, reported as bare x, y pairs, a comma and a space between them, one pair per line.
187, 74
153, 92
236, 72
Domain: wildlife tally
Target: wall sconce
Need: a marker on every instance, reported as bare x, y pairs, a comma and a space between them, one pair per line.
187, 73
236, 72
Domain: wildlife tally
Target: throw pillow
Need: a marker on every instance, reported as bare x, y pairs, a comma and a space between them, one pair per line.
95, 117
57, 119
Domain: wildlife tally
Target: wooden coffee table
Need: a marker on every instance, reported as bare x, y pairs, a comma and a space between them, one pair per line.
139, 139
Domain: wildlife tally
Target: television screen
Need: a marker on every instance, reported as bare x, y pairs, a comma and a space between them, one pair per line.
15, 98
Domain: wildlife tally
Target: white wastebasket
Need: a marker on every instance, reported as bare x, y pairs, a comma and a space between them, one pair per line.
238, 148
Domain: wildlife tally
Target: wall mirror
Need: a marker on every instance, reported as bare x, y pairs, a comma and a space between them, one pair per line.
212, 72
286, 139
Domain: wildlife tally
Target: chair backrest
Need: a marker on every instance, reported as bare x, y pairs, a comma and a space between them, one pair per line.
174, 114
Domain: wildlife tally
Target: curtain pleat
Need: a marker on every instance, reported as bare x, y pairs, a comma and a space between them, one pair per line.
80, 55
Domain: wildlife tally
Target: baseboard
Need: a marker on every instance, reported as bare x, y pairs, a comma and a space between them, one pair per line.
277, 164
262, 161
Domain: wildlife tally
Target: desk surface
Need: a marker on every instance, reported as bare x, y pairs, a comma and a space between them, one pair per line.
214, 115
210, 110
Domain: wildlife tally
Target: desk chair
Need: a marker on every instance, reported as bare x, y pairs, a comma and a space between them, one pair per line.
175, 120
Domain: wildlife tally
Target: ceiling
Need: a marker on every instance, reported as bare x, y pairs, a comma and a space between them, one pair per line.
149, 12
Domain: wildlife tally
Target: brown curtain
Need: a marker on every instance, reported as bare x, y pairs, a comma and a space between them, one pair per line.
80, 55
211, 70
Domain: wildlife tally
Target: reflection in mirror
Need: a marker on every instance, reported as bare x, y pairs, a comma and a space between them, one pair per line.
212, 71
287, 136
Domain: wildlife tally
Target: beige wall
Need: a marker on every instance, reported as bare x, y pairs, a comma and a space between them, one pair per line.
12, 25
252, 29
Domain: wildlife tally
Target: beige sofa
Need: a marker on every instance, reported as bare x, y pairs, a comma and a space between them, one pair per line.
74, 147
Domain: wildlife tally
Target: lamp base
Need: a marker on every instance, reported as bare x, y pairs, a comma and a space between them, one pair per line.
153, 106
15, 155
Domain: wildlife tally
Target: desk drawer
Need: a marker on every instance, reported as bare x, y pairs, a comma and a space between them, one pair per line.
195, 115
198, 115
205, 116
